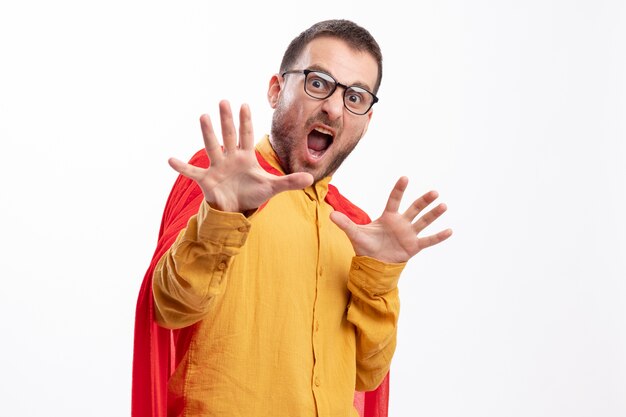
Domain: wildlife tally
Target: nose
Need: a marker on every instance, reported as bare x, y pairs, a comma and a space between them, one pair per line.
333, 105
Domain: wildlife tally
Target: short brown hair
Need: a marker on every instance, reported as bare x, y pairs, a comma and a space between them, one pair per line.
356, 36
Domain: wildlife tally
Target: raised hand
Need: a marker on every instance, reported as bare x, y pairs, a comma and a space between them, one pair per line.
393, 237
235, 181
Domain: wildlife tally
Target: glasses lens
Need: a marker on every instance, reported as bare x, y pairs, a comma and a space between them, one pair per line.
358, 100
319, 85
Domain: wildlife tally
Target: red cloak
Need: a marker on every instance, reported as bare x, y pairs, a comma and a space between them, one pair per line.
154, 351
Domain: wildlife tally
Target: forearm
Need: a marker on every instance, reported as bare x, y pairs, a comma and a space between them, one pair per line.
195, 269
373, 310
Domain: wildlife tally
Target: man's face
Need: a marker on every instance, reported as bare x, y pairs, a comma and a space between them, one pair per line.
311, 135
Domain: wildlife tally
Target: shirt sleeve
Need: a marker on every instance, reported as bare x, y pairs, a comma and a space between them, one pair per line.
194, 270
374, 310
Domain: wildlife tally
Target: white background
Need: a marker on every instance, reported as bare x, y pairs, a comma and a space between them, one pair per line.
514, 111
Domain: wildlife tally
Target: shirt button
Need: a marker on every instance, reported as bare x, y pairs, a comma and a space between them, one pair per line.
317, 382
221, 266
242, 229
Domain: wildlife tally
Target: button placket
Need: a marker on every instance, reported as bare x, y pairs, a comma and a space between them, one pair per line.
316, 325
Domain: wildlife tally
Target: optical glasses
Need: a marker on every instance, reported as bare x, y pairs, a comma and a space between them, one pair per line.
321, 85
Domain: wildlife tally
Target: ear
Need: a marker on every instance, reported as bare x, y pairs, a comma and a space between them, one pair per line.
273, 90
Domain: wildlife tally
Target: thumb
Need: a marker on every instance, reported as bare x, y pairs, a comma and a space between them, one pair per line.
344, 223
295, 181
185, 169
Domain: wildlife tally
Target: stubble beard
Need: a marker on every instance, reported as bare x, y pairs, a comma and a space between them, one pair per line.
285, 145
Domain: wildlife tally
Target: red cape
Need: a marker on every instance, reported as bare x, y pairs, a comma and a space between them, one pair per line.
154, 352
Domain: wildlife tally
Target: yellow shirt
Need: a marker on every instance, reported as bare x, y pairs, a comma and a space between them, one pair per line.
287, 321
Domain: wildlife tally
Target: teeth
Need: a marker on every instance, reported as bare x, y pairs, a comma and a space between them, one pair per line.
324, 131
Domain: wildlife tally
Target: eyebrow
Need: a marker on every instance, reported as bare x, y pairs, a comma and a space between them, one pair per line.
360, 84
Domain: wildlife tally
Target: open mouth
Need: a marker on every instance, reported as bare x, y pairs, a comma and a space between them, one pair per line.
318, 141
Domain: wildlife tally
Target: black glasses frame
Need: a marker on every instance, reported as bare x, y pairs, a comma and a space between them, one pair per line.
306, 73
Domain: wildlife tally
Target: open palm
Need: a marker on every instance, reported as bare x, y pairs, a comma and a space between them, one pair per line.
235, 181
393, 237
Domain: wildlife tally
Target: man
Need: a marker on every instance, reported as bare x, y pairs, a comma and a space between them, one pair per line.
281, 295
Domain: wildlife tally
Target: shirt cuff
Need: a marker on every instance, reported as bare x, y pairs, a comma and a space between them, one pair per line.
220, 227
373, 276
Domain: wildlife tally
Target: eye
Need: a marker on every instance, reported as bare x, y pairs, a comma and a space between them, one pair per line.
357, 96
354, 97
319, 83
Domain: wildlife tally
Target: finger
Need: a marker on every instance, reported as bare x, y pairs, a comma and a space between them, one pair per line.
246, 134
429, 217
295, 181
344, 223
211, 144
428, 241
395, 197
229, 134
186, 169
420, 204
